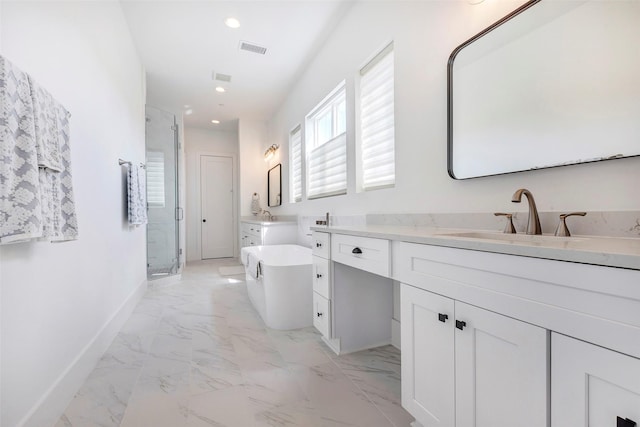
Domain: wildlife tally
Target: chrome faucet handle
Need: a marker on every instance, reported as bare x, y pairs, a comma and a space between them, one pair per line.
562, 229
509, 228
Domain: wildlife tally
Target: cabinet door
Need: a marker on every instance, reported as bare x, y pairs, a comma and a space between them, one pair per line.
592, 386
427, 356
501, 370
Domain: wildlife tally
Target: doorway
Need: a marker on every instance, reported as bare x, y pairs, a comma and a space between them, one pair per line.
217, 207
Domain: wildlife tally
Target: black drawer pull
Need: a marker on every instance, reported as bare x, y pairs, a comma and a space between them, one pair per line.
356, 251
626, 422
442, 317
318, 245
460, 324
318, 275
319, 314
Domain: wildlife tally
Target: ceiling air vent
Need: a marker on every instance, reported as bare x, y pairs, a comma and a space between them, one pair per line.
222, 77
250, 47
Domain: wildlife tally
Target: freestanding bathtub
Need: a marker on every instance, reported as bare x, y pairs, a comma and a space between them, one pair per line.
283, 292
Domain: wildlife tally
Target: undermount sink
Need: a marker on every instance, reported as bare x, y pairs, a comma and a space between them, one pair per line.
516, 238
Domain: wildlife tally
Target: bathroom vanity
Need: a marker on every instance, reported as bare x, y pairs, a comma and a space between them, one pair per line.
255, 232
496, 330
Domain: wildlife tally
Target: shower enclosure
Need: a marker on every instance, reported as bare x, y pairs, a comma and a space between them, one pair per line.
163, 257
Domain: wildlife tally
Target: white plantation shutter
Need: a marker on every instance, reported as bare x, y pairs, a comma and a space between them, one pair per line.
155, 179
295, 147
328, 168
377, 121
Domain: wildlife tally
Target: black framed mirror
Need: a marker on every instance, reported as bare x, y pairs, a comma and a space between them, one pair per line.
274, 186
554, 83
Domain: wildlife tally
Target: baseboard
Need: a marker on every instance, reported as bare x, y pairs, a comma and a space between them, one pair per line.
51, 406
395, 333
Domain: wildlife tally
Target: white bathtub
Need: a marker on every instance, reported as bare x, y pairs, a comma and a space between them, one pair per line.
283, 294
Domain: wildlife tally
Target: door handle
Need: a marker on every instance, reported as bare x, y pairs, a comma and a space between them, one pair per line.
356, 251
318, 275
460, 324
319, 314
626, 422
318, 245
442, 317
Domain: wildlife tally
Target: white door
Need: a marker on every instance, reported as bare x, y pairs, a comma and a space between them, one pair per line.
427, 356
501, 370
216, 195
592, 386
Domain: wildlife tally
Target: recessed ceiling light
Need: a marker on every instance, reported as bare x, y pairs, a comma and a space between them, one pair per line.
232, 22
215, 122
187, 106
220, 89
188, 112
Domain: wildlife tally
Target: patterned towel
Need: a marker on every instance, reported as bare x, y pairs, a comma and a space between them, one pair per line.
137, 195
45, 110
36, 194
20, 209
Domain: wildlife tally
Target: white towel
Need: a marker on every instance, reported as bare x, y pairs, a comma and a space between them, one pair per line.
254, 266
137, 195
67, 221
20, 209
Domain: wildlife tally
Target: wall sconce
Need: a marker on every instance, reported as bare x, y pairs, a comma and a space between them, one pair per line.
271, 151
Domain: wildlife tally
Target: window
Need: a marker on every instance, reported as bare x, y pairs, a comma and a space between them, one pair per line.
377, 141
155, 179
295, 152
326, 146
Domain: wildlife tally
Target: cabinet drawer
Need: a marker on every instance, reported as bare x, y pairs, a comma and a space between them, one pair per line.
320, 244
364, 253
321, 314
321, 276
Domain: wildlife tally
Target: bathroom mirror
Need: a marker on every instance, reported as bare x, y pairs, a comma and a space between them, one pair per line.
554, 83
274, 178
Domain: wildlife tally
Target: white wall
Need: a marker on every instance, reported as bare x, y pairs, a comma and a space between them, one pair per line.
425, 33
198, 142
253, 141
59, 300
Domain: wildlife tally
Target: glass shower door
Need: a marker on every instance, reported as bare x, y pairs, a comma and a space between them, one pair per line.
162, 193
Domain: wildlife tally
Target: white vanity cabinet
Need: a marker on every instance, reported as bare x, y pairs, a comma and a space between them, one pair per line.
320, 247
465, 366
593, 386
255, 233
352, 291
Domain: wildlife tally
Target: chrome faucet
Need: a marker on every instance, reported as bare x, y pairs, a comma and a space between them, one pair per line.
533, 223
267, 215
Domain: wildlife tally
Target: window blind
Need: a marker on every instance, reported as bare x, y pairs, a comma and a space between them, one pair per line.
377, 124
295, 147
328, 168
155, 179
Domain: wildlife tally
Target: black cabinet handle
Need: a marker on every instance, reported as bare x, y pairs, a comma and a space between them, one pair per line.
356, 251
318, 245
460, 324
318, 275
204, 220
319, 314
626, 422
442, 317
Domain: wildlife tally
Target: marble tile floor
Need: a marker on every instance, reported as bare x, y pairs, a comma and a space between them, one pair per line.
197, 354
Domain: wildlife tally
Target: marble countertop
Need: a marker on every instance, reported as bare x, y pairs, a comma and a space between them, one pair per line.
606, 251
258, 220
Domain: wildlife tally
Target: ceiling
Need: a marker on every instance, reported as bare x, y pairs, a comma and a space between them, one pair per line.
182, 43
